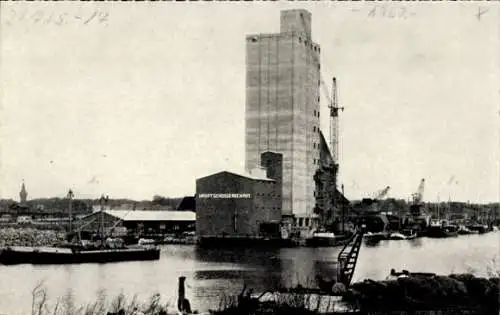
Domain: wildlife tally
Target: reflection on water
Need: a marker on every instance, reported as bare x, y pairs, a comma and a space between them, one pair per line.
211, 273
416, 242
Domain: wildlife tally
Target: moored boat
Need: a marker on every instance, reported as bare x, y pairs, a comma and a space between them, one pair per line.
376, 236
59, 255
325, 239
403, 235
479, 228
441, 229
463, 230
103, 249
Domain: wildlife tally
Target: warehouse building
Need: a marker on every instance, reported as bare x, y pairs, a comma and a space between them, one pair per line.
139, 223
230, 205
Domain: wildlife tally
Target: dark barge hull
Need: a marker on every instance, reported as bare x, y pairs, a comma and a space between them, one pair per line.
327, 241
479, 228
13, 257
221, 242
437, 232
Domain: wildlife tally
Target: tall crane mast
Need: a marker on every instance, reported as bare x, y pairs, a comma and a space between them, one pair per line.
334, 123
382, 193
418, 195
416, 207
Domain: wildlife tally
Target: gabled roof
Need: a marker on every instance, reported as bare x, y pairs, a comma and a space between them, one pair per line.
242, 174
187, 203
146, 215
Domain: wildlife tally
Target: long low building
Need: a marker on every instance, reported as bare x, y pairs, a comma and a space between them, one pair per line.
141, 222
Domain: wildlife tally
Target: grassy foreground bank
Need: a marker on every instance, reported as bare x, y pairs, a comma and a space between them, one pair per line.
453, 294
102, 305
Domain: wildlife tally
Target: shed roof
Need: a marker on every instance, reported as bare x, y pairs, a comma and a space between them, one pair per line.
152, 215
187, 203
242, 174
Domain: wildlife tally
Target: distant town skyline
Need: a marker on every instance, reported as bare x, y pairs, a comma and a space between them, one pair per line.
137, 101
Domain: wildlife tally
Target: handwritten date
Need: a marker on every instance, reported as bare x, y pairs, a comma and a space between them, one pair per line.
56, 18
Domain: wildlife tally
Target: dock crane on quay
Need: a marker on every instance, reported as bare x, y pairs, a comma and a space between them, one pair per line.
377, 196
418, 215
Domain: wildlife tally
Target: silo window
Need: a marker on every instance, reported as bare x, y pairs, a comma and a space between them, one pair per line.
314, 113
314, 128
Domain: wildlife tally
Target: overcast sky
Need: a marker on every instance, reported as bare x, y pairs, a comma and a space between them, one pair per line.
150, 97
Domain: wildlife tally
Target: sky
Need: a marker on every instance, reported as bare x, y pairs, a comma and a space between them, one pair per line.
138, 99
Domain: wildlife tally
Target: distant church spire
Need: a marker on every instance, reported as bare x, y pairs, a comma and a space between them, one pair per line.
23, 194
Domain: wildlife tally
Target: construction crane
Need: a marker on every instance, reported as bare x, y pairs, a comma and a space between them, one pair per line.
370, 204
334, 123
419, 194
417, 197
382, 193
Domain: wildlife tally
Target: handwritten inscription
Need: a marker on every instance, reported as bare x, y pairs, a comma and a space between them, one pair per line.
480, 12
59, 18
390, 11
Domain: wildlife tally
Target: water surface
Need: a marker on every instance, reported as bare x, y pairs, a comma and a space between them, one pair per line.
213, 273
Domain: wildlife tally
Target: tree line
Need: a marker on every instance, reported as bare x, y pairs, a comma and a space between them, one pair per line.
57, 204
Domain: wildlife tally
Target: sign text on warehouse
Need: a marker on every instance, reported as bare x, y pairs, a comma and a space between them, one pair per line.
224, 196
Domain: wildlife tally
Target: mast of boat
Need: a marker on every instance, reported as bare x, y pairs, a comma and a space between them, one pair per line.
438, 208
343, 209
101, 217
70, 205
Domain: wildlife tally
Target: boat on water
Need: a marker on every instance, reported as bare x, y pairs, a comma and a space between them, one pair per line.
326, 239
441, 229
376, 236
403, 235
463, 230
394, 275
61, 255
479, 228
104, 249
